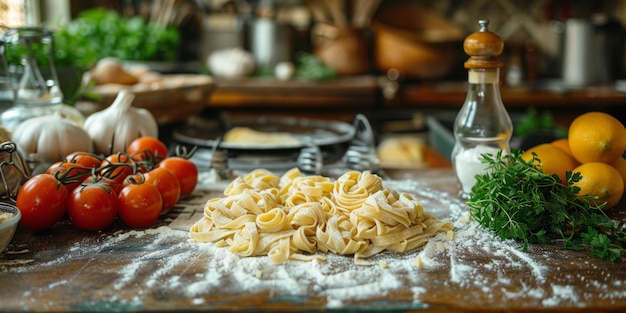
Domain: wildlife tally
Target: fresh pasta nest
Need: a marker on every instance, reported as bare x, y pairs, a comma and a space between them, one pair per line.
296, 217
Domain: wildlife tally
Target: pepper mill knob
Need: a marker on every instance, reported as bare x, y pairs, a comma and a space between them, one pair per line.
483, 47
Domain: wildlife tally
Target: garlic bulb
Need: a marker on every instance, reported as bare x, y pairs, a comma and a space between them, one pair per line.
113, 128
50, 138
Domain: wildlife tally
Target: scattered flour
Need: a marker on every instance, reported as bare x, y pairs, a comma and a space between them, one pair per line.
467, 262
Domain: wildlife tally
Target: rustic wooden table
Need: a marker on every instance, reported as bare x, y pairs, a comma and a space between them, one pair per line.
159, 269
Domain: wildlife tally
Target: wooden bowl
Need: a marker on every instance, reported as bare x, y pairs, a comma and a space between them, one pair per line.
419, 43
173, 98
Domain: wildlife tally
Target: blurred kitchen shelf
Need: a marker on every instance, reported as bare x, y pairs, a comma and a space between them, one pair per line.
356, 92
365, 91
547, 94
344, 97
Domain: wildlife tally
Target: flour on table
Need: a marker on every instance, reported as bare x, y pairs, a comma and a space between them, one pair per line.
198, 270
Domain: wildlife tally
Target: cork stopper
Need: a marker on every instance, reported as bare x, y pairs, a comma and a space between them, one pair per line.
483, 47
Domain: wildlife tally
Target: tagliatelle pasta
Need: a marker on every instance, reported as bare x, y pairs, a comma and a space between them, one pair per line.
296, 217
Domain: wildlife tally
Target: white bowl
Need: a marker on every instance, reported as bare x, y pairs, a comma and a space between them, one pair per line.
8, 226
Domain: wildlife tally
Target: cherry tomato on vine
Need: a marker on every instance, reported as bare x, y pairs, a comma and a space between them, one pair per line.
139, 204
70, 174
168, 185
92, 207
186, 171
86, 159
41, 200
147, 147
108, 182
117, 167
138, 178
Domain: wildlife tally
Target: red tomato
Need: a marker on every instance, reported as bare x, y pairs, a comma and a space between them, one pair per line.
138, 178
168, 185
186, 172
139, 205
70, 174
147, 148
117, 167
41, 200
86, 159
105, 181
92, 207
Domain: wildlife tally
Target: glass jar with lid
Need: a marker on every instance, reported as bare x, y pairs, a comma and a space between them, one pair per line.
29, 58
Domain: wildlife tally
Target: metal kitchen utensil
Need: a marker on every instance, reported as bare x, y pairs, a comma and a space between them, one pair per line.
360, 157
219, 161
14, 170
361, 153
310, 160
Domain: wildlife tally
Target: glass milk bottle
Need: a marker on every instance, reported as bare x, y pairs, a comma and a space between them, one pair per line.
483, 124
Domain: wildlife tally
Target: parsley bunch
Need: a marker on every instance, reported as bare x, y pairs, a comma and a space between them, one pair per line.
98, 33
516, 200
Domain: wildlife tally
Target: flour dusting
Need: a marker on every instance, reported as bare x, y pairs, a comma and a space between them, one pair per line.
473, 261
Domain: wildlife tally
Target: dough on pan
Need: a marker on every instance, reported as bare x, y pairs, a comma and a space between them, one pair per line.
247, 136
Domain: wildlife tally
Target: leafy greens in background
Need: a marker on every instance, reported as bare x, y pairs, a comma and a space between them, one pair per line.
533, 121
309, 67
99, 33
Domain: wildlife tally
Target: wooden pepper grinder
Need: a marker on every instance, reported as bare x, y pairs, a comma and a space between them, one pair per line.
483, 47
482, 125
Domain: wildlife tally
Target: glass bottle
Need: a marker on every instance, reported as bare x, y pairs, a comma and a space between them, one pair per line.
29, 55
483, 124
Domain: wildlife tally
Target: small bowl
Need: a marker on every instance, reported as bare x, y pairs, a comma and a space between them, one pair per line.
8, 226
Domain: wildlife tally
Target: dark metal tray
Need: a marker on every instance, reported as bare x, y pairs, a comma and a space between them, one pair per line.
204, 133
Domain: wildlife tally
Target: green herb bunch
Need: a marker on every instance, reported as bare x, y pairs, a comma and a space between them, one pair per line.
534, 121
98, 33
309, 67
516, 200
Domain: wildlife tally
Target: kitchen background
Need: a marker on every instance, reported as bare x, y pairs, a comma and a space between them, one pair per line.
534, 31
397, 61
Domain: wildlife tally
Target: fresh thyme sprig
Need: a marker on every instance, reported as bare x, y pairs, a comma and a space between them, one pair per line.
515, 200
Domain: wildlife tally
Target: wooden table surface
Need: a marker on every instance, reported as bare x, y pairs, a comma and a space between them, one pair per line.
159, 269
